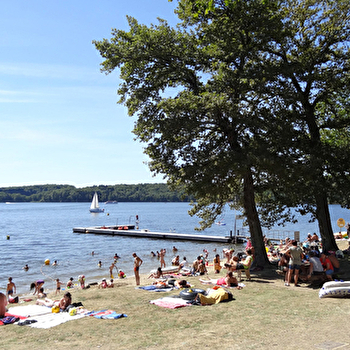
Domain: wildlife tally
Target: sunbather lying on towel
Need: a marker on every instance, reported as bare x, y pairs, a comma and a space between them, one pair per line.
62, 304
214, 297
229, 281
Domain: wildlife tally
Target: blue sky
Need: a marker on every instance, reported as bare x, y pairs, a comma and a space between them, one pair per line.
59, 118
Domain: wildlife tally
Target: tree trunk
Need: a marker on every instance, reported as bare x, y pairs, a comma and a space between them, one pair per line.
324, 222
256, 234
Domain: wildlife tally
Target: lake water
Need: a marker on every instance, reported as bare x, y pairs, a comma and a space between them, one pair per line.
40, 231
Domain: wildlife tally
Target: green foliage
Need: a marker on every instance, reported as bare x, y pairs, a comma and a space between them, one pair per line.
67, 193
246, 97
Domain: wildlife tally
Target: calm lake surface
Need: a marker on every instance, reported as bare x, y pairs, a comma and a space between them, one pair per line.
40, 231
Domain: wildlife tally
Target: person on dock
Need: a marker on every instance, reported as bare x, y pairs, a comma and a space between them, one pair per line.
137, 263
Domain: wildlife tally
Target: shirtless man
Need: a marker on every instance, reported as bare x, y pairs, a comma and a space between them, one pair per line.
11, 288
137, 263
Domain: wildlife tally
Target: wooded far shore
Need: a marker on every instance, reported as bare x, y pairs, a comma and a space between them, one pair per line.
158, 192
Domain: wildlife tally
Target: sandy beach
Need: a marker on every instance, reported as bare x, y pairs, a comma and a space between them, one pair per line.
264, 314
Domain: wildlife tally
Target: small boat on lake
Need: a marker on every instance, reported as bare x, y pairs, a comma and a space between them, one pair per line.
111, 202
95, 208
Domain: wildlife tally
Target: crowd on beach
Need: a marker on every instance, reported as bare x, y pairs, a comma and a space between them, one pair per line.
305, 261
296, 261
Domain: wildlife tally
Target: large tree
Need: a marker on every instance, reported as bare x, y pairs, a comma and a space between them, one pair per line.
220, 105
305, 73
311, 82
194, 92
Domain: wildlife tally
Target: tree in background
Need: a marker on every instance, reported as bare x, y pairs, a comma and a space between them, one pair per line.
220, 105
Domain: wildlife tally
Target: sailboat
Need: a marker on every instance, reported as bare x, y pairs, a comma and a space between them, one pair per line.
95, 208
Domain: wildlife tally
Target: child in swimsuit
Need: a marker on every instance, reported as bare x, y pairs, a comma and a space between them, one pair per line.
10, 287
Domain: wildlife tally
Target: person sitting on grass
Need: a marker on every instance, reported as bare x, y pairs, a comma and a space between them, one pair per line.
316, 267
247, 263
70, 283
176, 261
202, 269
327, 266
157, 274
195, 265
41, 293
111, 284
103, 284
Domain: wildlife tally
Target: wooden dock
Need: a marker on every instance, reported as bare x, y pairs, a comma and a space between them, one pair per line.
129, 231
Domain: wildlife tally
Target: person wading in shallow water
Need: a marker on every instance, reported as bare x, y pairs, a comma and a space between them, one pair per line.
137, 263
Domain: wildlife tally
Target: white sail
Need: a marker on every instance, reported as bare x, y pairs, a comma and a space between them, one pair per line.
95, 208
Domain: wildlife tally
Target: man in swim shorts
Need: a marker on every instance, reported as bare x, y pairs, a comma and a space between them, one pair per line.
137, 263
11, 287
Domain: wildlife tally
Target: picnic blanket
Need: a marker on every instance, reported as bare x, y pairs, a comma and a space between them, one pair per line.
154, 288
52, 319
170, 303
29, 310
106, 314
39, 316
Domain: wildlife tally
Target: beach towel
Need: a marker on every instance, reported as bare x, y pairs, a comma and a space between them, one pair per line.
42, 315
154, 288
29, 310
170, 303
106, 314
52, 319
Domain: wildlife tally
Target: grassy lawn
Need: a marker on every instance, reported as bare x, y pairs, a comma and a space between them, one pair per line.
264, 315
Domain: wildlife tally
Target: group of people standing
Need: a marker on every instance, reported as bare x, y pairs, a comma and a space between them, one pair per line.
308, 260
